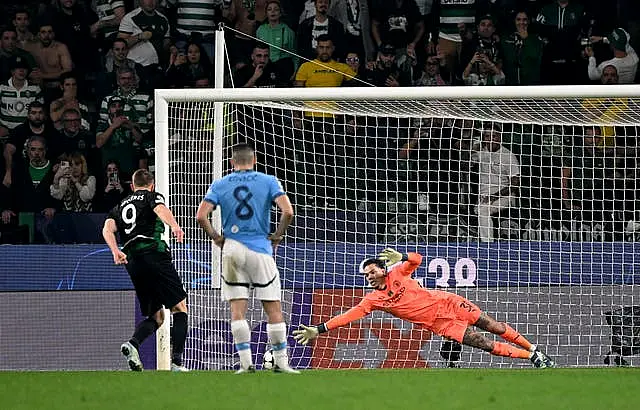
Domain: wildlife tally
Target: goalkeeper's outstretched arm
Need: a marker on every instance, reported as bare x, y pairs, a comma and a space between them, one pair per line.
307, 333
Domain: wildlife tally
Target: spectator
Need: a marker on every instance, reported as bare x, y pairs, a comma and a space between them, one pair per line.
355, 17
561, 24
452, 21
280, 38
398, 23
588, 175
15, 97
21, 23
69, 100
74, 138
244, 17
262, 72
9, 51
113, 188
498, 178
119, 137
73, 185
137, 106
76, 26
625, 59
34, 176
196, 22
353, 60
36, 125
52, 57
321, 24
484, 42
184, 69
481, 70
107, 81
431, 72
522, 54
147, 34
384, 72
110, 14
309, 75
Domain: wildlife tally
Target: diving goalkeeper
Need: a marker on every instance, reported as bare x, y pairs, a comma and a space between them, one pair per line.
443, 313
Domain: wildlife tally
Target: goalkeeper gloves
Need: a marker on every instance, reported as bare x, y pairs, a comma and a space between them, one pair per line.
306, 334
391, 256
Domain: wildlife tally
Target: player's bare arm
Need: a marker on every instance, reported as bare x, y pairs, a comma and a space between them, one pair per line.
167, 217
202, 216
286, 217
109, 234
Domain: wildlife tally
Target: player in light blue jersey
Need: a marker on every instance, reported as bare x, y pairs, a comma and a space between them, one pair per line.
245, 197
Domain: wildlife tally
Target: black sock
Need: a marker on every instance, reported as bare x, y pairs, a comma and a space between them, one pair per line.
178, 336
143, 330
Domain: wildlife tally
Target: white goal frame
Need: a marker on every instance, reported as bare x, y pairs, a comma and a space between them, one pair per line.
219, 96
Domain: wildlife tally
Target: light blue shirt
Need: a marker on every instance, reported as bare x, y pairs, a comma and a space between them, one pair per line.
245, 199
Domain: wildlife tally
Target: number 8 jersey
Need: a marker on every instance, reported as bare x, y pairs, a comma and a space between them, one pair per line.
245, 199
139, 227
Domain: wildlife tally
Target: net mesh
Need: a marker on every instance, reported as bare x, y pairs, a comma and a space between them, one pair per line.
550, 255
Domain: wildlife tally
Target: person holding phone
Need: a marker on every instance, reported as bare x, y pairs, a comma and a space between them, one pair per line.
114, 187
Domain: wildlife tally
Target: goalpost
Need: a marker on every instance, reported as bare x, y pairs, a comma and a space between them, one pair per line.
551, 271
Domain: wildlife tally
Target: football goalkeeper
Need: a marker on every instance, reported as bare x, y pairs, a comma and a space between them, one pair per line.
444, 313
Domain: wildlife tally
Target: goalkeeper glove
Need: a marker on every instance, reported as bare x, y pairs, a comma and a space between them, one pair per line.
306, 334
391, 256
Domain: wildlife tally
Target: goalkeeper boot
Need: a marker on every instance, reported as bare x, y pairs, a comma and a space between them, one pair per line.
250, 369
178, 368
285, 369
131, 354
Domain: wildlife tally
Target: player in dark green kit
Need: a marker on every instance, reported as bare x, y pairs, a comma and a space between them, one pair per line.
140, 220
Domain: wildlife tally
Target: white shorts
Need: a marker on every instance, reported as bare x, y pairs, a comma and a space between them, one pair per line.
243, 269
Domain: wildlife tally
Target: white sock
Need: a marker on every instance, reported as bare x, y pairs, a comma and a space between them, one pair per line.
242, 338
533, 348
278, 338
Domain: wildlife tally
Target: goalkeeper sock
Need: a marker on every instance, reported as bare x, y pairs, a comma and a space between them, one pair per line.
143, 330
511, 335
506, 350
278, 338
178, 336
242, 338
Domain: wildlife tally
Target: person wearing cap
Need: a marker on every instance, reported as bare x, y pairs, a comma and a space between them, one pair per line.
625, 59
16, 95
444, 313
385, 72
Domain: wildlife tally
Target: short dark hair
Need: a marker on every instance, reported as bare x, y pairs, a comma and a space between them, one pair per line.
36, 104
142, 178
119, 40
261, 45
372, 261
242, 153
324, 37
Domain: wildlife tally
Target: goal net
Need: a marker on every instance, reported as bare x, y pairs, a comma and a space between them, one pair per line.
522, 200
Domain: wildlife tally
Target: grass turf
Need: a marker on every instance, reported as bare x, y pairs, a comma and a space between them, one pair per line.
608, 388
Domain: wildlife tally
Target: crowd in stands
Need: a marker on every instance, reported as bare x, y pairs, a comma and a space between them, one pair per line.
77, 80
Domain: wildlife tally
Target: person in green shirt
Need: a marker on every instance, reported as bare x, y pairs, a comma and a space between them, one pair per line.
521, 53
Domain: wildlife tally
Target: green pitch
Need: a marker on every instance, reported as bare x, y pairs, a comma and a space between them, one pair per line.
436, 389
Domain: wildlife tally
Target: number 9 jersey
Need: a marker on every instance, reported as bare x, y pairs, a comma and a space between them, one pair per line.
139, 226
245, 199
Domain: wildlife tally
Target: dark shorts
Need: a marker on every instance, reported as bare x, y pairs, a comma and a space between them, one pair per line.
155, 280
